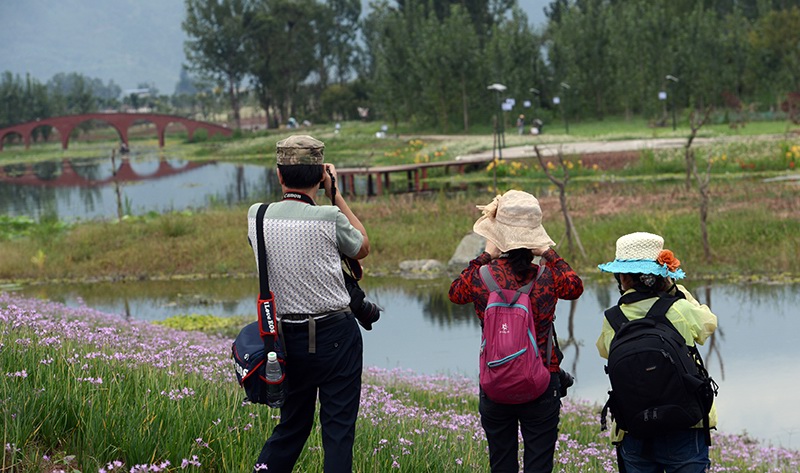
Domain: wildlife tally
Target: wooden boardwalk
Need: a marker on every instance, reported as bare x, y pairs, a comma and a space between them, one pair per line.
379, 177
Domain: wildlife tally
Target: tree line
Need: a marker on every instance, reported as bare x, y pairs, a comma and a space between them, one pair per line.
28, 99
428, 63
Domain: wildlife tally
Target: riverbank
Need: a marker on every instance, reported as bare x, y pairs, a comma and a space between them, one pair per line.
87, 390
753, 232
753, 217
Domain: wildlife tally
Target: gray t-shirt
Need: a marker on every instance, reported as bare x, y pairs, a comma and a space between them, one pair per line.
303, 243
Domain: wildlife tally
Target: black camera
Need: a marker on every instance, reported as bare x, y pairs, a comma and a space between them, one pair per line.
366, 312
566, 381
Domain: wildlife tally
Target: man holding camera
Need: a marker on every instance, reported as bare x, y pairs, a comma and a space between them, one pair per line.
304, 245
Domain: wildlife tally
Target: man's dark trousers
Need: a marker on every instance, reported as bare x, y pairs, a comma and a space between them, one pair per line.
335, 372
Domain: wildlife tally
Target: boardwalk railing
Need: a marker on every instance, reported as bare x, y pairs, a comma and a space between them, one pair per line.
379, 181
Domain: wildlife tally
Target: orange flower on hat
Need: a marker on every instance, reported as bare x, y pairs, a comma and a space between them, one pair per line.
669, 260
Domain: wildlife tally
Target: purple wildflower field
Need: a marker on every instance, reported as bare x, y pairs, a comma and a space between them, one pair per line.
87, 391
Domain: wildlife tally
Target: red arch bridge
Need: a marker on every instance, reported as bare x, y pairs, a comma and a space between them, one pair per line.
121, 122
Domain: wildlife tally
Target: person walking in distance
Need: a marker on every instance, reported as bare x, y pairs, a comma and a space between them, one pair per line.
324, 350
512, 226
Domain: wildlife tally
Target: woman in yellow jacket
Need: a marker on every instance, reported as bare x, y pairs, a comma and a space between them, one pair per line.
641, 264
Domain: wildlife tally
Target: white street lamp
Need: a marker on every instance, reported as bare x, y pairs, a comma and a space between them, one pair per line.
673, 80
498, 127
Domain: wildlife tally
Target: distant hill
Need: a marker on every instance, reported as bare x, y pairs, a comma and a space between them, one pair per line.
129, 41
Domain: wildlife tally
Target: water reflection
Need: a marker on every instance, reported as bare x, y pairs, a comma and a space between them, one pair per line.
83, 188
753, 355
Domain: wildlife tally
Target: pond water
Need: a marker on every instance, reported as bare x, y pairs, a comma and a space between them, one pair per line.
83, 188
134, 184
753, 356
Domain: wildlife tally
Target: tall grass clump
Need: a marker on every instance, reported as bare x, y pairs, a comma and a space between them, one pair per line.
84, 391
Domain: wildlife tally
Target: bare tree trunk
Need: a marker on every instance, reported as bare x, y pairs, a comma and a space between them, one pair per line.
705, 198
713, 347
689, 158
234, 96
120, 214
695, 124
562, 193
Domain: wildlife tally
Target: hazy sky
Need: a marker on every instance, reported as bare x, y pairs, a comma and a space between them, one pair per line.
535, 10
127, 41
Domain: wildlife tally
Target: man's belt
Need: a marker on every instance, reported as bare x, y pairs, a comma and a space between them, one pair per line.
292, 323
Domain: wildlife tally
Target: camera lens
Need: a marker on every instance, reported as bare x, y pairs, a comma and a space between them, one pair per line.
566, 381
366, 312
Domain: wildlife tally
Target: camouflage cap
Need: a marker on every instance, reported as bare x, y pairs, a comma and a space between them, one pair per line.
300, 149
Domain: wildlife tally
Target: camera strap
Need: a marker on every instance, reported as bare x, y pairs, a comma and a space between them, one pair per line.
261, 250
298, 196
352, 264
268, 323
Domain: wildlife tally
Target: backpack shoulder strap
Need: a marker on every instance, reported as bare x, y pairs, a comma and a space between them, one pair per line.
661, 306
616, 318
658, 311
491, 283
488, 279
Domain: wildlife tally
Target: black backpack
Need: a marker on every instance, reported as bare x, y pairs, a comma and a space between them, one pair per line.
658, 383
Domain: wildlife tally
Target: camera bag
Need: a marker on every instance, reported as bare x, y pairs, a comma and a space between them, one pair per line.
257, 339
658, 383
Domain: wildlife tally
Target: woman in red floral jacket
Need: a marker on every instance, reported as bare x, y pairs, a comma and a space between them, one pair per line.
512, 226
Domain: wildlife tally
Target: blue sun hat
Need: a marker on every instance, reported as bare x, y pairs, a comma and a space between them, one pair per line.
643, 253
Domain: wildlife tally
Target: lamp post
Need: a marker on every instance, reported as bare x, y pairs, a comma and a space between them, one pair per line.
672, 80
498, 124
537, 94
565, 86
498, 130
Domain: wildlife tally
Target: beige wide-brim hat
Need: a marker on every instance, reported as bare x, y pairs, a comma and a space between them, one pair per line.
513, 220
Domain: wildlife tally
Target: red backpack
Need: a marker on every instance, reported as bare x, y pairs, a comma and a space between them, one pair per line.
511, 370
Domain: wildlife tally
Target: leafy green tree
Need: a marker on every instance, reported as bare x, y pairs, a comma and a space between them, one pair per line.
73, 92
340, 29
513, 58
338, 102
774, 40
37, 106
216, 45
445, 64
388, 61
484, 14
282, 40
11, 92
